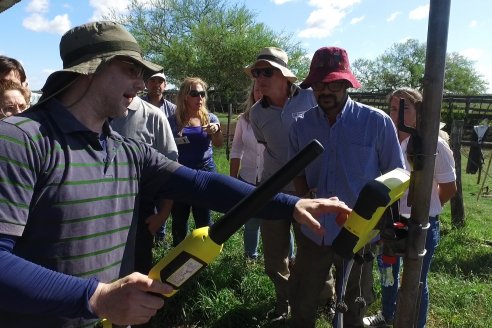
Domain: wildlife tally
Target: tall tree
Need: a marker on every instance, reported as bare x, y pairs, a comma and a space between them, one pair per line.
212, 39
461, 76
403, 64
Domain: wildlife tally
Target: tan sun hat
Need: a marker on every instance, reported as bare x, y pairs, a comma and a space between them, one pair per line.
84, 48
275, 57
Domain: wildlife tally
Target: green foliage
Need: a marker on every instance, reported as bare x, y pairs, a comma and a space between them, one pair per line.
403, 64
461, 77
211, 39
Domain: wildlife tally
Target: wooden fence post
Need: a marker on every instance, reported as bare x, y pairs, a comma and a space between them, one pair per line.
457, 207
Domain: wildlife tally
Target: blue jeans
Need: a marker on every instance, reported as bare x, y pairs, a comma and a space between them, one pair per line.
389, 294
251, 238
161, 233
251, 235
181, 211
292, 254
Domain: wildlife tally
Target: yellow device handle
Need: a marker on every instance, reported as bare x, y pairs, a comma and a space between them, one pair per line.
375, 197
184, 261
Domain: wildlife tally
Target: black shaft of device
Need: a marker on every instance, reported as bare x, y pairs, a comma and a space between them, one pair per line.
237, 216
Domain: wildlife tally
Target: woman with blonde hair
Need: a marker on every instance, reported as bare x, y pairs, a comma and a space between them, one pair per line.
196, 132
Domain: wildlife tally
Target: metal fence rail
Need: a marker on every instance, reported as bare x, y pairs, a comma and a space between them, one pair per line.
471, 109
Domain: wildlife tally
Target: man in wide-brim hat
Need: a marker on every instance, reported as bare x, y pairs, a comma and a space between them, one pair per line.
87, 48
61, 158
270, 119
72, 187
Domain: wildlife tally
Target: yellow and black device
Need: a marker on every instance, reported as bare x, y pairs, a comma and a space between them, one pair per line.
203, 245
375, 197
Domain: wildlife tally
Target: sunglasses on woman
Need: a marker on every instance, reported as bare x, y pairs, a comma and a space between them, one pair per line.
266, 72
196, 93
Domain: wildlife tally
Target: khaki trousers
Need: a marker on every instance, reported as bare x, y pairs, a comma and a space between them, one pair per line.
275, 235
313, 263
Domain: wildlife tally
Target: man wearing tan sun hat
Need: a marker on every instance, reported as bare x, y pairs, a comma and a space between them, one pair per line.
276, 58
271, 118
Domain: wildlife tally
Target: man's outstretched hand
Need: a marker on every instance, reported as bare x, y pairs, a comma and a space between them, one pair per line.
307, 211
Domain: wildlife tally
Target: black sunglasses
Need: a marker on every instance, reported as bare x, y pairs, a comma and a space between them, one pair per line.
195, 93
332, 86
266, 72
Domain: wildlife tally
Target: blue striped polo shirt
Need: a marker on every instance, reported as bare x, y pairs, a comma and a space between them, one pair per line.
73, 203
72, 200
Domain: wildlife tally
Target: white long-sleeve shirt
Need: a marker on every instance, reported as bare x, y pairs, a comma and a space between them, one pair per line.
248, 150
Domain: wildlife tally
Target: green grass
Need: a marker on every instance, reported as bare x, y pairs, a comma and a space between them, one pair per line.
234, 293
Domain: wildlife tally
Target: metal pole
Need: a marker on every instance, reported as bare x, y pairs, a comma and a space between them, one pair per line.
433, 83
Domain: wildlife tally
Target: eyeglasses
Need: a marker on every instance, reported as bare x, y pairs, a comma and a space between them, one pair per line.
135, 71
332, 86
195, 93
266, 72
12, 109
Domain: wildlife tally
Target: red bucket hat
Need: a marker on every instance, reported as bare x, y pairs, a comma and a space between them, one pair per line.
330, 64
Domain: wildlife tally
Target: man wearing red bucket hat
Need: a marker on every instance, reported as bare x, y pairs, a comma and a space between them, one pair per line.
360, 144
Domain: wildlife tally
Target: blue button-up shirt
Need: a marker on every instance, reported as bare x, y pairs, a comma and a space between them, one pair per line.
361, 145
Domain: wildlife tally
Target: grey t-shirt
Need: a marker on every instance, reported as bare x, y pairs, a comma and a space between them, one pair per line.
148, 124
271, 127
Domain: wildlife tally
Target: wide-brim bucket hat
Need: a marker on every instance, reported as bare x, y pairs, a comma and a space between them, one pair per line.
83, 49
330, 64
275, 57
